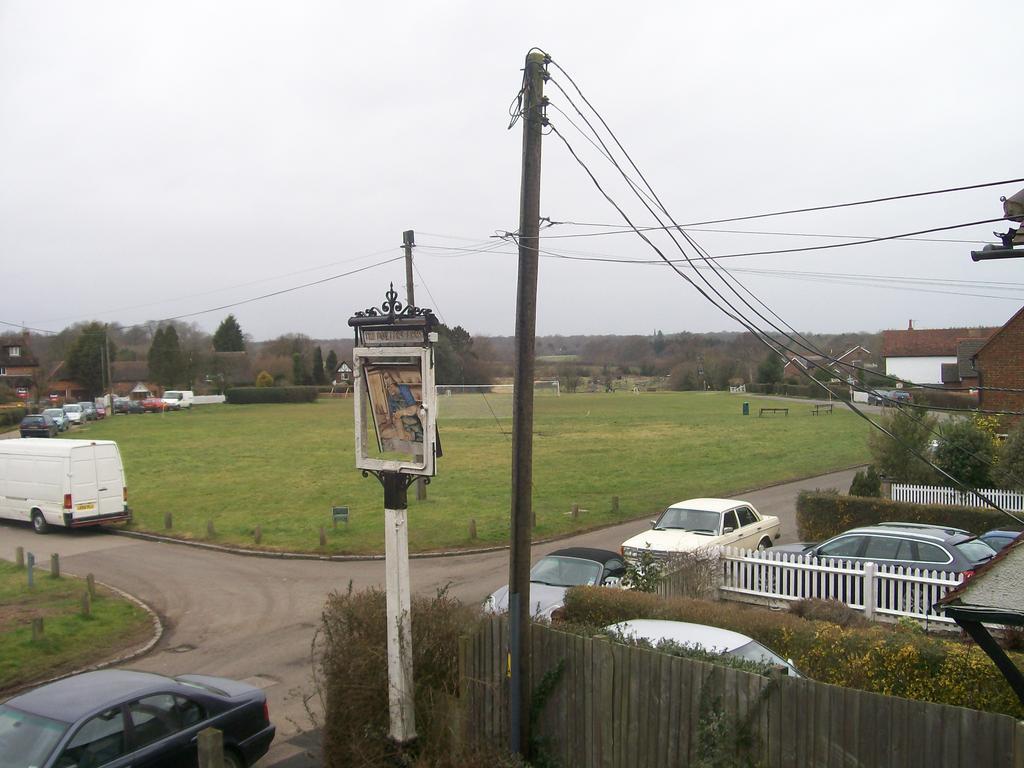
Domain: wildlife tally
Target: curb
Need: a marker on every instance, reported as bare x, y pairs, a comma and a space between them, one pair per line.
158, 632
422, 555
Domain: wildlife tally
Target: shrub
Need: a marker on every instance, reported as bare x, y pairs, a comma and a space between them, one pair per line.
246, 395
866, 483
264, 379
891, 458
888, 659
821, 515
354, 680
12, 416
965, 452
940, 399
832, 611
1009, 472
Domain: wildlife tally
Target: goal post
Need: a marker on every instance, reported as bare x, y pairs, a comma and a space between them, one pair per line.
544, 387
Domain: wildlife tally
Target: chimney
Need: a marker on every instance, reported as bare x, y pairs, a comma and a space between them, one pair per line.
910, 325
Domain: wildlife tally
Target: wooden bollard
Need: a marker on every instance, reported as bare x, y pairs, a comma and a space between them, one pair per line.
90, 584
323, 536
211, 748
19, 557
257, 535
30, 567
37, 629
209, 529
472, 530
168, 521
55, 566
615, 505
86, 604
575, 510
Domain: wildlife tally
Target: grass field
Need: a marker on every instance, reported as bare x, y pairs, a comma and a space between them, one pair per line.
70, 640
282, 467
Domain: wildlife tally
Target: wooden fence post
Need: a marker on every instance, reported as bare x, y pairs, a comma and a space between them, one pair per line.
37, 629
90, 584
615, 505
30, 566
323, 536
211, 748
209, 529
257, 535
870, 589
55, 566
575, 510
19, 557
168, 521
86, 604
472, 530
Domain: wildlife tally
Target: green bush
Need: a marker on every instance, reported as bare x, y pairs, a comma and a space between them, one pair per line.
1009, 471
821, 515
353, 681
939, 399
866, 483
914, 431
246, 395
264, 379
12, 416
965, 451
894, 660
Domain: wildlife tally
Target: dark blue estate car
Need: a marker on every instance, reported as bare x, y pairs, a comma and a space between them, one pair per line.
117, 718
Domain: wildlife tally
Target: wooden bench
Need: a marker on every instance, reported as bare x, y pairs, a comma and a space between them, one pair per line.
821, 408
784, 411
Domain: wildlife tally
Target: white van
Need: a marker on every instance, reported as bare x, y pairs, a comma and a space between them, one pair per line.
176, 399
67, 483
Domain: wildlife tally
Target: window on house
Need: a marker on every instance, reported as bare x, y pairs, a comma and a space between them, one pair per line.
14, 351
3, 371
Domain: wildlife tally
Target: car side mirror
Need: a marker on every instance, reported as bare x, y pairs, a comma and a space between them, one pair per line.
653, 523
727, 529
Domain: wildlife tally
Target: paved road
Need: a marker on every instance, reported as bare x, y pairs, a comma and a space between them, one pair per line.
254, 618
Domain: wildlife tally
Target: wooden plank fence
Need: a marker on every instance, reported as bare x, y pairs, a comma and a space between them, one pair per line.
615, 705
1011, 501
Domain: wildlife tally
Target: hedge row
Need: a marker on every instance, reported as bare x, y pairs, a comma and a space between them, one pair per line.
246, 395
940, 399
896, 660
821, 515
811, 391
11, 416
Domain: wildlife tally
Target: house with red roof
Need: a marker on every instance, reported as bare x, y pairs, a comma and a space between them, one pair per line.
1000, 365
924, 355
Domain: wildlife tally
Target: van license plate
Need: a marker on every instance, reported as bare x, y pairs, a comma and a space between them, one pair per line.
86, 507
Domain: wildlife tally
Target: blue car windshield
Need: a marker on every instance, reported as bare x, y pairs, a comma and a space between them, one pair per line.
26, 740
566, 572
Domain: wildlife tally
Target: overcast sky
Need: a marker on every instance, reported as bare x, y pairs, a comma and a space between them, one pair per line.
161, 159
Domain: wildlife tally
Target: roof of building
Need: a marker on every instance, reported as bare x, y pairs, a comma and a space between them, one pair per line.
929, 342
992, 591
966, 349
129, 370
1016, 315
951, 373
25, 358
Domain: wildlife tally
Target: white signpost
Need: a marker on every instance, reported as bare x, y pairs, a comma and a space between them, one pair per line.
396, 441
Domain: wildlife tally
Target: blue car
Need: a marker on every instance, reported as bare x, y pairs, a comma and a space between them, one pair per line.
117, 718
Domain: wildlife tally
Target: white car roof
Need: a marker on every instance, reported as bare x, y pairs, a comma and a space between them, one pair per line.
683, 633
711, 505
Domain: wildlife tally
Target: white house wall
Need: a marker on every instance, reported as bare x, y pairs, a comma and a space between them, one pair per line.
922, 370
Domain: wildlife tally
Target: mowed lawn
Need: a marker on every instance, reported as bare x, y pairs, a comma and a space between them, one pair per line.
70, 640
282, 467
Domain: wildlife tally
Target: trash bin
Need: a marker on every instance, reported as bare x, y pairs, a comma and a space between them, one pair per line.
746, 409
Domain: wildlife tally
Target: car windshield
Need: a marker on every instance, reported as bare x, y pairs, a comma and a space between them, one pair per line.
55, 413
172, 395
560, 571
754, 651
975, 550
693, 520
72, 409
26, 740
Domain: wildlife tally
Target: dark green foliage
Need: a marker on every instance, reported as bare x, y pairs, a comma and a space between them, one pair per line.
85, 358
318, 366
822, 515
228, 336
165, 359
12, 416
1009, 472
455, 360
644, 573
770, 370
246, 395
353, 681
300, 375
941, 399
891, 457
866, 483
965, 452
331, 366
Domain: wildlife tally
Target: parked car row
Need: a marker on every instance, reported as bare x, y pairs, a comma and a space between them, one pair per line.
53, 421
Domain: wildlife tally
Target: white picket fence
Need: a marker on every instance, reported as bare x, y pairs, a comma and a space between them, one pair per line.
1011, 501
874, 589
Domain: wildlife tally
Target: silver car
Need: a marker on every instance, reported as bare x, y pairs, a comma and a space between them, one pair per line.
74, 413
58, 415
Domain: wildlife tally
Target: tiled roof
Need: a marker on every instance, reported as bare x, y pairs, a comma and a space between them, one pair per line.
929, 342
966, 349
25, 359
129, 370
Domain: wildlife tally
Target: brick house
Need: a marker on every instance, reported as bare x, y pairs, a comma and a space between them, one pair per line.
921, 355
1000, 363
18, 366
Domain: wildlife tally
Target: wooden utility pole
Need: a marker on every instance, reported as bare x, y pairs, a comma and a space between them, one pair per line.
408, 241
522, 407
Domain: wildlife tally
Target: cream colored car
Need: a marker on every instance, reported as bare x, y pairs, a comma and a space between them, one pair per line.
700, 523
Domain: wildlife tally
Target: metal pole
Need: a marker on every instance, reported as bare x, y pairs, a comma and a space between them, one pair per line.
522, 408
408, 241
396, 558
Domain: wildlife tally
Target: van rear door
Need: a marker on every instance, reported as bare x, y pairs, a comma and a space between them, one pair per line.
84, 501
110, 480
